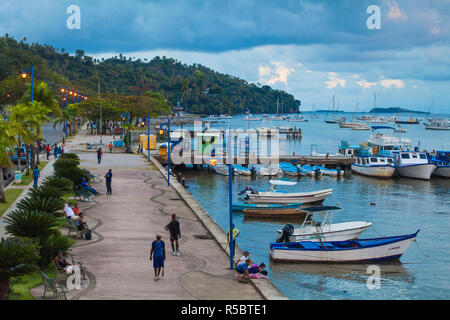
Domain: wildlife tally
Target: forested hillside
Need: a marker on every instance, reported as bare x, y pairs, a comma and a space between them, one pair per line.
200, 89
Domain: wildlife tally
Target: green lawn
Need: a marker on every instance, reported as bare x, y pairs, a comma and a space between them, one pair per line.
21, 286
11, 196
26, 180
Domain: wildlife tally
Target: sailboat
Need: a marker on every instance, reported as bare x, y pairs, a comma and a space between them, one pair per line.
250, 118
314, 115
278, 117
299, 117
354, 125
334, 120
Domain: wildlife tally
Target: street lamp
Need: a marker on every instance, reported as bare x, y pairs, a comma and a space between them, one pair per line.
24, 76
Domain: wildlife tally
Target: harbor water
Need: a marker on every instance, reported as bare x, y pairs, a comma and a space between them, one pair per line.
396, 206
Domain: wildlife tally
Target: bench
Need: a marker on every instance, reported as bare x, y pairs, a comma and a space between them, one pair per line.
50, 284
85, 194
72, 225
77, 192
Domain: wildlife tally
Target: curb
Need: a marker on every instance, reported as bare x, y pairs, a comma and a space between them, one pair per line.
265, 287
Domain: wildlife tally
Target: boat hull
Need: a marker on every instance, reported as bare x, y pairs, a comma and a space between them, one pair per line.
393, 250
421, 171
384, 172
442, 171
278, 197
241, 207
273, 213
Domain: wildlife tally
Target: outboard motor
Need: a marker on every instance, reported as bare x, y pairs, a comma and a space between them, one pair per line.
253, 171
287, 231
338, 169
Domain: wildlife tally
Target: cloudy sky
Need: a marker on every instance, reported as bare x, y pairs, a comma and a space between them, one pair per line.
313, 49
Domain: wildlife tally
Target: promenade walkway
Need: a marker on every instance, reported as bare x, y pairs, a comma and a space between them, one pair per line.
140, 207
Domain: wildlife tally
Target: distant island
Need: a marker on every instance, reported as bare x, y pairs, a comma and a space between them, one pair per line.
395, 110
335, 111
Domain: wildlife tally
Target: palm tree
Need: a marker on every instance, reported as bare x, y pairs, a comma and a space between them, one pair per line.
6, 141
69, 116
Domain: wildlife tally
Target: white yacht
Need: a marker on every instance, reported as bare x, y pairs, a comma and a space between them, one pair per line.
437, 124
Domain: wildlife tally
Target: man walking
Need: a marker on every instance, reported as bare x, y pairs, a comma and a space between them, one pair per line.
99, 155
47, 149
175, 234
36, 175
108, 178
110, 147
158, 253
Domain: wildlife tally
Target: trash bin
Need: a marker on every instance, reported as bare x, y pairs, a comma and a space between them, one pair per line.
17, 177
163, 151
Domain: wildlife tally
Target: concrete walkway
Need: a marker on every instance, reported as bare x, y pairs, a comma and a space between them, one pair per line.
128, 221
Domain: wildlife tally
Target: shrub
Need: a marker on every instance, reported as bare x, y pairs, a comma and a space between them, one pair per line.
74, 174
63, 184
17, 257
69, 156
50, 246
66, 163
49, 205
33, 224
46, 192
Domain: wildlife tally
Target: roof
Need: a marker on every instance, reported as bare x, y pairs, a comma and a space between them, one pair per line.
321, 208
381, 127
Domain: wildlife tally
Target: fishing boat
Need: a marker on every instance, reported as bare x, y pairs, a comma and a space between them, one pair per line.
329, 172
413, 164
275, 196
309, 171
242, 206
437, 124
223, 170
360, 126
241, 170
374, 166
289, 169
399, 129
355, 250
442, 162
410, 121
325, 230
270, 170
274, 213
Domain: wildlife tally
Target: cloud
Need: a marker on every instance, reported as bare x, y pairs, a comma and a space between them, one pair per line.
334, 81
395, 13
366, 84
387, 83
278, 72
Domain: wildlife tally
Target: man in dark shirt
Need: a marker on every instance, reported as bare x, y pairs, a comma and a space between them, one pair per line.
99, 155
175, 234
158, 254
108, 178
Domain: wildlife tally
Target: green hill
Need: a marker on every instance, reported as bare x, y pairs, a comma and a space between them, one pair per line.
202, 90
395, 110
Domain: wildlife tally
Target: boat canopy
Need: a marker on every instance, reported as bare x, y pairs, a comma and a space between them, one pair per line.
321, 208
382, 127
282, 183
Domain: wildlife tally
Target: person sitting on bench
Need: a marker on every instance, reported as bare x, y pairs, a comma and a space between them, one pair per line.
85, 185
77, 218
63, 265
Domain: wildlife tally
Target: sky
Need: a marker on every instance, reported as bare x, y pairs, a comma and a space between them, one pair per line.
313, 49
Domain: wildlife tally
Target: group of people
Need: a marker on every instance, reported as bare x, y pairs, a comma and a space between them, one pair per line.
75, 215
247, 270
158, 250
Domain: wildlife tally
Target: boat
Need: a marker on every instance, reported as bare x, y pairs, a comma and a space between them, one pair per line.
242, 206
399, 129
374, 166
437, 124
360, 126
270, 170
250, 118
278, 117
274, 196
298, 118
325, 230
307, 170
334, 119
413, 164
410, 121
274, 213
223, 169
289, 169
442, 162
329, 172
241, 170
355, 250
377, 120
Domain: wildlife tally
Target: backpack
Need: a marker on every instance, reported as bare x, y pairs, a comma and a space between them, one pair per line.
88, 235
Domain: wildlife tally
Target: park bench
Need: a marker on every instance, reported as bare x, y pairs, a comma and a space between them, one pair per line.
61, 276
78, 193
85, 194
72, 226
56, 289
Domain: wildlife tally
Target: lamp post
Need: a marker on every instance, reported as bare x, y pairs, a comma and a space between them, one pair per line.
148, 137
168, 150
24, 76
230, 195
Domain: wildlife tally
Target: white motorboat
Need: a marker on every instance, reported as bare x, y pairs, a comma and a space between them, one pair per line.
274, 196
324, 230
413, 164
223, 170
442, 162
437, 124
241, 170
329, 172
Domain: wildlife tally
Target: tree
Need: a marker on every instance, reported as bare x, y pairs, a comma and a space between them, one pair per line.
7, 141
17, 257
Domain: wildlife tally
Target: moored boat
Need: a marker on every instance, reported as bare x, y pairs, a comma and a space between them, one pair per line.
413, 164
325, 230
241, 170
374, 166
270, 170
274, 213
329, 172
356, 250
289, 169
442, 162
242, 206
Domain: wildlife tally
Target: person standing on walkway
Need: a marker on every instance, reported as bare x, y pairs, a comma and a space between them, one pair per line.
158, 254
108, 179
175, 234
99, 155
235, 234
47, 149
36, 175
110, 147
55, 151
